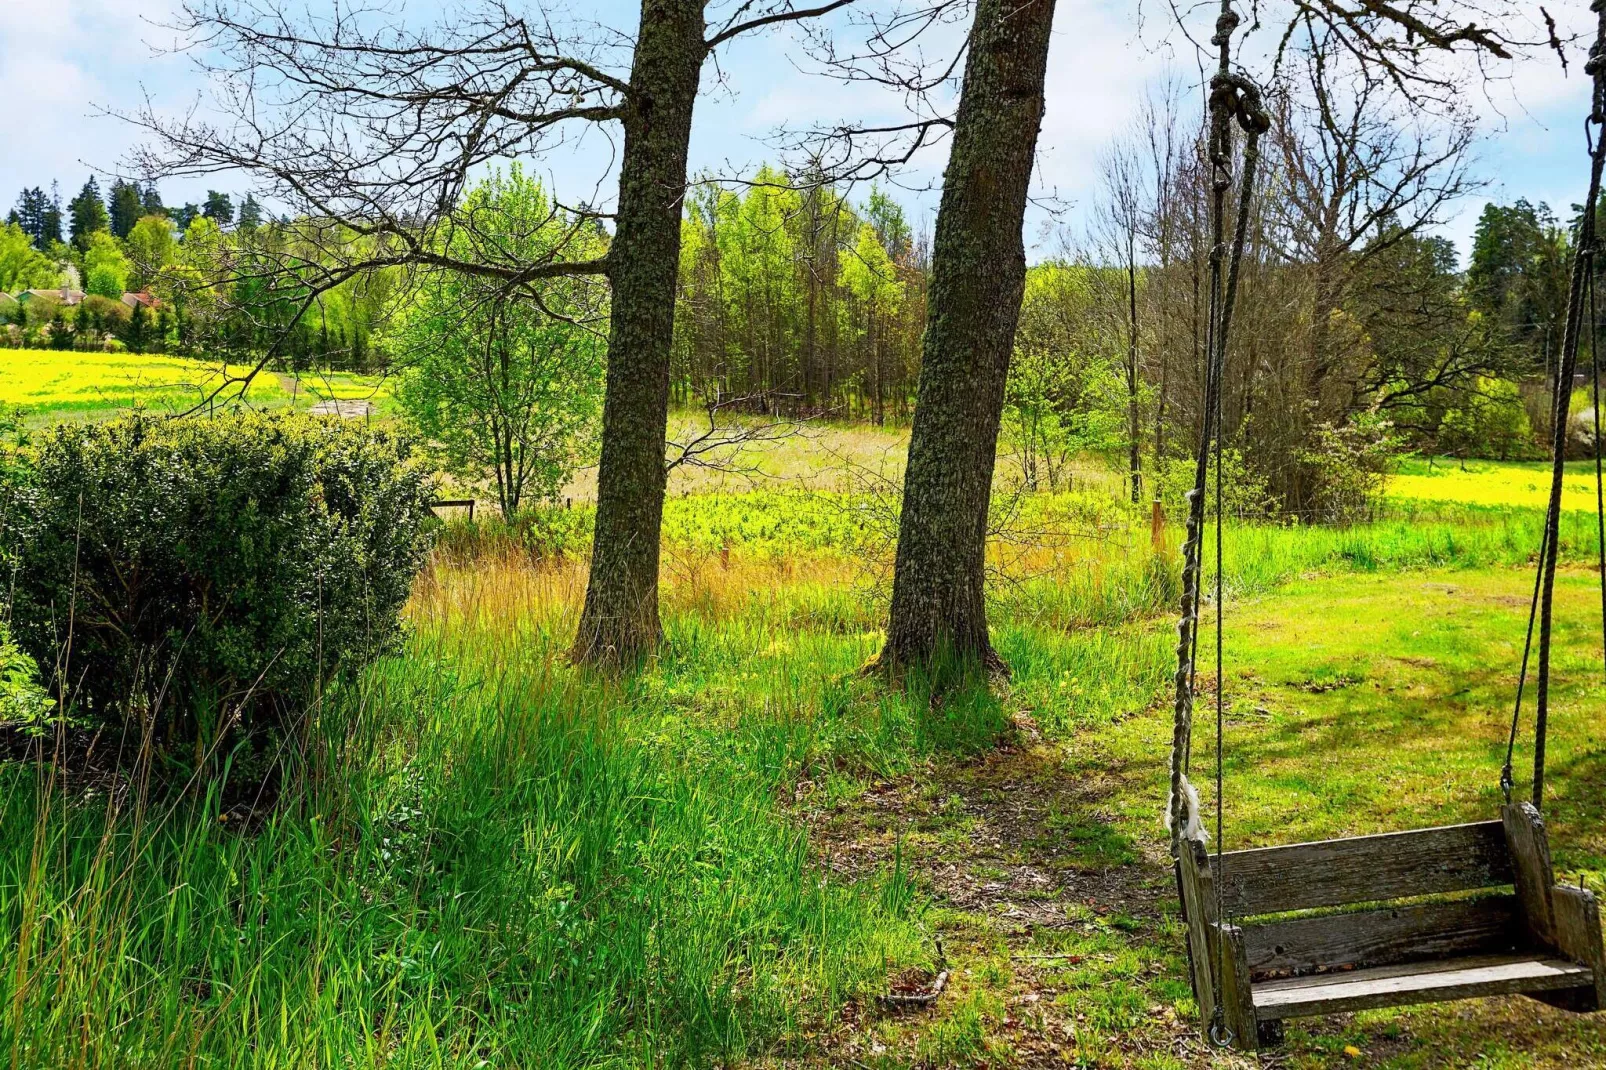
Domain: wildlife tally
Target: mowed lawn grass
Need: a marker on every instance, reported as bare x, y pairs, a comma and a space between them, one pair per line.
48, 384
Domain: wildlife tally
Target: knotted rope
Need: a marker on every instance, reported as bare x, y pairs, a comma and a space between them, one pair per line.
1233, 98
1578, 312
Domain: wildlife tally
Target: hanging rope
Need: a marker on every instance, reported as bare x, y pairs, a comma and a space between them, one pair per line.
1582, 283
1233, 97
1600, 477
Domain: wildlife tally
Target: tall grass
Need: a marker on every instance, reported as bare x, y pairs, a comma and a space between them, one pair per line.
490, 858
498, 863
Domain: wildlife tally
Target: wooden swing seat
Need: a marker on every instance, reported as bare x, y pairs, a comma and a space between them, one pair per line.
1434, 914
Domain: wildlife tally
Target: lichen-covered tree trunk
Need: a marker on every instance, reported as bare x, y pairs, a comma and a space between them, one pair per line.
620, 620
978, 275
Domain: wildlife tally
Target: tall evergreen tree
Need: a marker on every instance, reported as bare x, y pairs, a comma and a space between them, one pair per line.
50, 220
250, 213
150, 201
219, 208
126, 207
29, 214
87, 214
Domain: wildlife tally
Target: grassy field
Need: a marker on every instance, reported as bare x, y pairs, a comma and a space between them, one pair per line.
49, 385
499, 861
488, 858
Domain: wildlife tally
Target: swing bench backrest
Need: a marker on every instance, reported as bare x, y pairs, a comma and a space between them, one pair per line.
1417, 927
1380, 870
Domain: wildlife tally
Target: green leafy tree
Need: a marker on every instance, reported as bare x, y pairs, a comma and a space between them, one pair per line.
87, 215
891, 226
97, 316
1489, 420
150, 249
504, 383
106, 269
1066, 392
37, 314
870, 279
1518, 275
758, 281
22, 267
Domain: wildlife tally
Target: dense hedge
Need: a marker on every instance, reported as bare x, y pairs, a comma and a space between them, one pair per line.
173, 572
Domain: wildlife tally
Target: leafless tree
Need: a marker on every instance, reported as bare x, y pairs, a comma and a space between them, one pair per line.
1118, 228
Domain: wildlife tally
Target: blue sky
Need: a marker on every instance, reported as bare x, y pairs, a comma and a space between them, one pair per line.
61, 61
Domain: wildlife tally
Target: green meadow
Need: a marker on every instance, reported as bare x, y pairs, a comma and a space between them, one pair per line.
486, 857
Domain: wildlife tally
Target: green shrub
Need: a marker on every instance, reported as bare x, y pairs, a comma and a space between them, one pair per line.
1346, 468
23, 703
184, 573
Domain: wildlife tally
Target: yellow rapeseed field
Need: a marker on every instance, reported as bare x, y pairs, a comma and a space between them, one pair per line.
46, 383
1496, 483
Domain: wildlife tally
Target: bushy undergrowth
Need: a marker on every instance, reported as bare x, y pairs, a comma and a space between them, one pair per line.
23, 701
173, 574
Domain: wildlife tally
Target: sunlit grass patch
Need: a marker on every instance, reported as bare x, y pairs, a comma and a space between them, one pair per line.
1373, 702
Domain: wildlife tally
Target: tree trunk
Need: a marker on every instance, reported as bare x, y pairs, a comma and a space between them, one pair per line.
1134, 430
619, 623
978, 276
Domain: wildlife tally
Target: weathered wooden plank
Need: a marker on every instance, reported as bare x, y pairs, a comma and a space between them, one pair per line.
1362, 869
1236, 992
1483, 926
1531, 870
1577, 916
1400, 969
1198, 908
1392, 986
